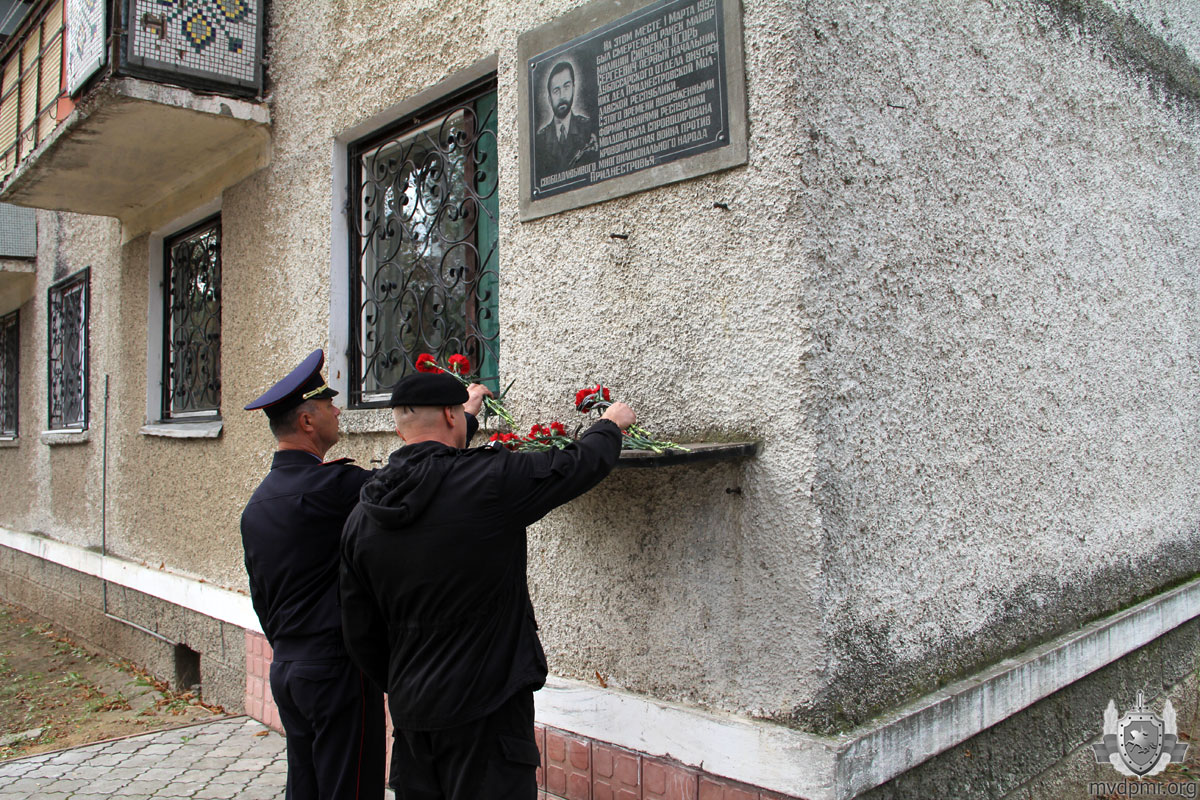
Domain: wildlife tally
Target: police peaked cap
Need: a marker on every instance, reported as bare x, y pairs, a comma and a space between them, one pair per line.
428, 389
298, 386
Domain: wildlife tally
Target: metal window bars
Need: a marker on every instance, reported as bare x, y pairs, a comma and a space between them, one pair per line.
192, 322
67, 353
425, 250
10, 353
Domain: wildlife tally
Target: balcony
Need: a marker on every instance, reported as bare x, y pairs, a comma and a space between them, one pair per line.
135, 109
18, 248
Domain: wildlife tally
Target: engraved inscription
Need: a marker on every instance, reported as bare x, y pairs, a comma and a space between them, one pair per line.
642, 91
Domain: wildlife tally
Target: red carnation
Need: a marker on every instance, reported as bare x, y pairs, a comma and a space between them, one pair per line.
460, 364
558, 429
427, 363
586, 399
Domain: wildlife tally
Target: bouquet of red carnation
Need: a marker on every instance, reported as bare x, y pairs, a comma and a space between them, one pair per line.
540, 437
544, 437
598, 398
460, 367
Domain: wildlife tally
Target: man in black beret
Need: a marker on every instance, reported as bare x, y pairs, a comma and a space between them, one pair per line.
331, 712
435, 600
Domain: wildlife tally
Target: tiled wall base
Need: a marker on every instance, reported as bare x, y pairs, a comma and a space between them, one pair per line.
573, 767
577, 768
259, 702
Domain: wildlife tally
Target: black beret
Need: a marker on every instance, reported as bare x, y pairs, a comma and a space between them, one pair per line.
428, 389
301, 384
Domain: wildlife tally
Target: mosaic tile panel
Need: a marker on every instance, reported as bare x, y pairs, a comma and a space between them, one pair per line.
86, 52
216, 40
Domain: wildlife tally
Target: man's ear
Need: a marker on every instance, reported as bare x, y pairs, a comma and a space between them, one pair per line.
304, 422
448, 412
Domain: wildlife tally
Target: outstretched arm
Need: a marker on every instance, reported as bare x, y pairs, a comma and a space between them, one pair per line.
536, 483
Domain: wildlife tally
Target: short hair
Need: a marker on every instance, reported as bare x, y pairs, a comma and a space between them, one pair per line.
557, 68
285, 424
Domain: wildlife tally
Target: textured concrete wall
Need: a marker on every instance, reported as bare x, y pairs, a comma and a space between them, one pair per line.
56, 489
952, 294
999, 204
663, 583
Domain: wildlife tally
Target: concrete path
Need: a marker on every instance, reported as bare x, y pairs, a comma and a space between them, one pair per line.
235, 758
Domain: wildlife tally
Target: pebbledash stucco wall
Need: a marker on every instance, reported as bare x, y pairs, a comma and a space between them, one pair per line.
953, 294
53, 485
1000, 251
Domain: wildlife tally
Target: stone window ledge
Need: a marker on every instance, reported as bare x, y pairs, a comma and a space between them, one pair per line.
9, 441
368, 420
696, 452
54, 438
183, 430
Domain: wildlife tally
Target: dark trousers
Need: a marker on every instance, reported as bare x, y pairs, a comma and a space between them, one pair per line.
493, 758
333, 717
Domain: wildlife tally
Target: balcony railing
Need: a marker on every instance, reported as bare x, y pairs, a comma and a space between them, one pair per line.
33, 92
135, 109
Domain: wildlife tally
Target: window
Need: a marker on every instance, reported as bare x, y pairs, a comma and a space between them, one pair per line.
9, 358
423, 243
67, 353
192, 322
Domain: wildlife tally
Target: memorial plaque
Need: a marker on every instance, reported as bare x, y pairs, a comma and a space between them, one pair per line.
618, 97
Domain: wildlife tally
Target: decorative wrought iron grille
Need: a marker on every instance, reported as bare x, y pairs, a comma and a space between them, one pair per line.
67, 354
192, 322
9, 373
425, 252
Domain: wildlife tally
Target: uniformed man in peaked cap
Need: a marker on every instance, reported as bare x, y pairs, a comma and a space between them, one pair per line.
435, 603
331, 712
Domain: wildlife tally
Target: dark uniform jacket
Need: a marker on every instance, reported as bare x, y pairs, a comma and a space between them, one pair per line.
290, 531
555, 155
434, 596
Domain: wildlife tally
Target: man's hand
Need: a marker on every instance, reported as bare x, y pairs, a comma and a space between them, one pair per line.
475, 394
621, 414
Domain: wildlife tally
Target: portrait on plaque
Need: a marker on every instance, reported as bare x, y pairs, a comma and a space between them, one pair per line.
617, 98
566, 144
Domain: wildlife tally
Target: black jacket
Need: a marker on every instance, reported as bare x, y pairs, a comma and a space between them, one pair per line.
435, 603
290, 532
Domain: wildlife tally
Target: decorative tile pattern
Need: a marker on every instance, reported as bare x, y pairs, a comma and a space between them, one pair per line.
577, 768
86, 52
568, 766
720, 789
259, 703
616, 774
663, 781
212, 39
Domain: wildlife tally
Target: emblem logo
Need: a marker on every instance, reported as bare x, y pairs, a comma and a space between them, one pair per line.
1140, 743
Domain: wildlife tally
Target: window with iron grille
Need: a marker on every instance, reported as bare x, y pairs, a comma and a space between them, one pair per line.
67, 353
9, 358
423, 239
192, 322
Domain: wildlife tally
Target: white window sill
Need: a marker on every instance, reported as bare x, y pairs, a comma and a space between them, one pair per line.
368, 420
183, 430
53, 438
9, 441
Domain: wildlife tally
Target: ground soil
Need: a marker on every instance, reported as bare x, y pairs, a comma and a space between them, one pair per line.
56, 694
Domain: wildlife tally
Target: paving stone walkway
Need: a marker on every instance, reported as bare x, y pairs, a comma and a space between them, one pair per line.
235, 758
